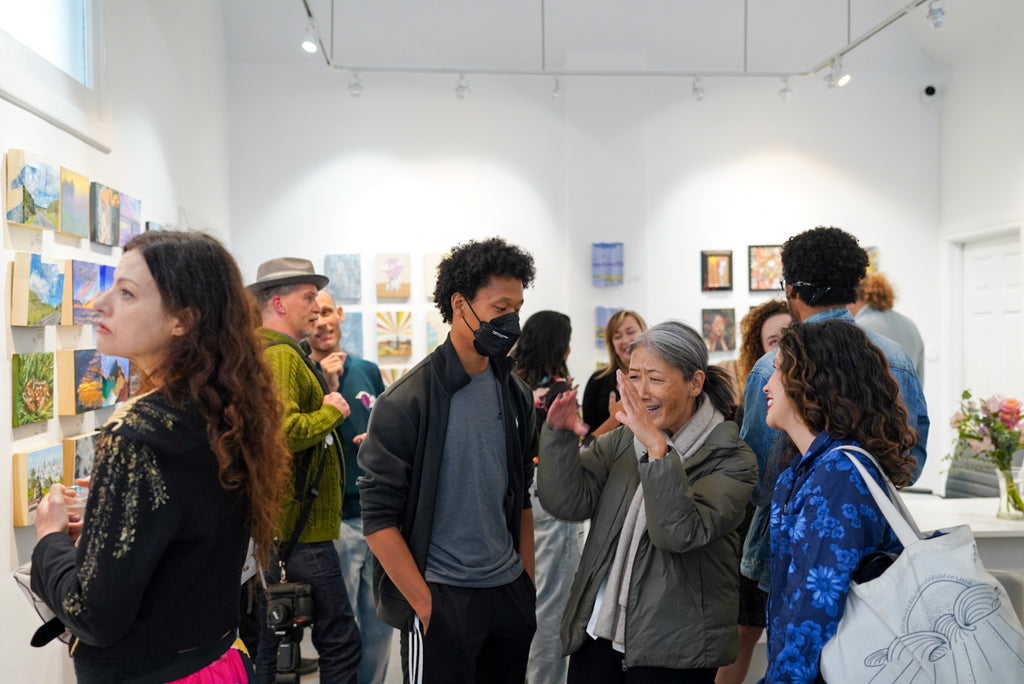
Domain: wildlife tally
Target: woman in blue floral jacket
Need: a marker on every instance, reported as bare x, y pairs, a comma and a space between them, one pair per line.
831, 387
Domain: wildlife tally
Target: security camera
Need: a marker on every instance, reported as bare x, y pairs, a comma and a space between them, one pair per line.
929, 93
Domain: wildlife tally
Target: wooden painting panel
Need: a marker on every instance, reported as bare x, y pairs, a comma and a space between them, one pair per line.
88, 281
32, 387
89, 380
437, 331
129, 219
392, 276
345, 272
74, 203
79, 456
37, 290
104, 214
352, 333
391, 373
33, 190
35, 472
394, 334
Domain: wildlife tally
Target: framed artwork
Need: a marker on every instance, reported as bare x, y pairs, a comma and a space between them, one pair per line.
431, 261
74, 203
345, 272
88, 281
606, 263
392, 276
391, 373
719, 329
716, 271
88, 380
104, 214
32, 387
765, 267
872, 259
437, 331
37, 290
601, 316
33, 190
130, 221
35, 472
153, 225
352, 333
79, 456
394, 334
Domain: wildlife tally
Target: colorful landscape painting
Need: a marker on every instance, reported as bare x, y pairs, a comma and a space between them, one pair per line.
88, 380
79, 456
130, 222
35, 472
345, 272
352, 333
394, 333
88, 281
32, 387
33, 190
392, 276
74, 203
104, 214
37, 290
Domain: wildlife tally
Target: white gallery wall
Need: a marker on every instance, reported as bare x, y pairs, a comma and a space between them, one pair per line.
167, 83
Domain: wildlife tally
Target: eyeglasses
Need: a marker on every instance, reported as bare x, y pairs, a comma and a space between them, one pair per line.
797, 283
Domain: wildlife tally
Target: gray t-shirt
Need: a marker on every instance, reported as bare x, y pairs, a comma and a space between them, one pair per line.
470, 544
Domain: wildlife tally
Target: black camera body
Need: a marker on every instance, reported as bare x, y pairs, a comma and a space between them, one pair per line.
289, 607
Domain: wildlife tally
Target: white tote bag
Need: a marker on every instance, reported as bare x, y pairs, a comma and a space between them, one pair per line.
935, 615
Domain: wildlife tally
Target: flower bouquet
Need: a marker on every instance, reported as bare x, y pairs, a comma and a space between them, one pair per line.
991, 431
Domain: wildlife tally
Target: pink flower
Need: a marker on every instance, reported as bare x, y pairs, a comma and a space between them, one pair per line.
980, 446
1009, 413
957, 417
994, 403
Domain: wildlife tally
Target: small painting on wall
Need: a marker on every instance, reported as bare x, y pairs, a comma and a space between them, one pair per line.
79, 456
88, 380
606, 263
719, 328
716, 270
437, 331
872, 259
35, 472
104, 214
88, 281
33, 190
394, 334
601, 316
392, 276
74, 204
765, 267
391, 373
130, 221
346, 276
431, 261
352, 333
37, 290
32, 387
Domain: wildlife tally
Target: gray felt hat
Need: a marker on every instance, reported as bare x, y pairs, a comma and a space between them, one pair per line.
287, 271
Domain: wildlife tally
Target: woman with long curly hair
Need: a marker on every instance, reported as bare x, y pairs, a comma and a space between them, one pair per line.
185, 473
831, 388
760, 330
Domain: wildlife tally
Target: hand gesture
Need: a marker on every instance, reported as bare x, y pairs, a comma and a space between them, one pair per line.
614, 404
563, 414
333, 367
358, 439
338, 402
52, 513
634, 416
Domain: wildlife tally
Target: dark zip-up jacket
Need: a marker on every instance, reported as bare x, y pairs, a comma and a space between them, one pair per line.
402, 459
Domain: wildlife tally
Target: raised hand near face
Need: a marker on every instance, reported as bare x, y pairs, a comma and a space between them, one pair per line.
634, 416
563, 414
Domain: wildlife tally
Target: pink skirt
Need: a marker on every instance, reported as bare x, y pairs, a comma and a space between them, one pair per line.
228, 669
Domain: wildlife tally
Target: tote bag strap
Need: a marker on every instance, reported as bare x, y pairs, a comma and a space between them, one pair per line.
896, 514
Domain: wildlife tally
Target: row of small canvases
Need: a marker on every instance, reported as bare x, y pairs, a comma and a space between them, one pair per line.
392, 276
45, 195
765, 262
36, 470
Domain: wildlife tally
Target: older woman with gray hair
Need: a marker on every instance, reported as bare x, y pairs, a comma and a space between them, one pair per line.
656, 595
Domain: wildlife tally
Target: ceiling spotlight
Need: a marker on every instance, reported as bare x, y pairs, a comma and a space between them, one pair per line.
355, 86
697, 90
311, 42
936, 14
837, 76
556, 89
785, 94
461, 87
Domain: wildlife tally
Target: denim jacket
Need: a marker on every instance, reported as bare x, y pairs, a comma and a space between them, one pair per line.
763, 440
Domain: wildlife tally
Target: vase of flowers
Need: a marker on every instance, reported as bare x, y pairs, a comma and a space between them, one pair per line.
990, 432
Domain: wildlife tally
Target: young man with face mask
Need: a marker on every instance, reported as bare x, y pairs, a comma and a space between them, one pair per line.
449, 459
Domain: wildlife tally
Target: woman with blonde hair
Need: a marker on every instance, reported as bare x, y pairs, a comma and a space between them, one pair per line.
601, 396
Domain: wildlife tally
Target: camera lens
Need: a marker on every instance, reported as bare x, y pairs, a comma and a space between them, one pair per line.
278, 615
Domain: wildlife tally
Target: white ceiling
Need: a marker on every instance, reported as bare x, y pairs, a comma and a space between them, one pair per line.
708, 36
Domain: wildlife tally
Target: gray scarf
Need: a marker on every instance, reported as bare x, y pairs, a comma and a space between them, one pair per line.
611, 620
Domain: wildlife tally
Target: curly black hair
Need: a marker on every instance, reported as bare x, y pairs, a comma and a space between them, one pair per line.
469, 267
542, 348
840, 383
829, 261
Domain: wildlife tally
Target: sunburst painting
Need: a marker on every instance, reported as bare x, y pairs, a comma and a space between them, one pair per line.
394, 333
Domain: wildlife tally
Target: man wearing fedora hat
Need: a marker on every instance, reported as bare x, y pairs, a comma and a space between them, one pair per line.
285, 292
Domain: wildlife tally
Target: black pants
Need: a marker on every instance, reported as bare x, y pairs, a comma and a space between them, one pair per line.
596, 662
475, 636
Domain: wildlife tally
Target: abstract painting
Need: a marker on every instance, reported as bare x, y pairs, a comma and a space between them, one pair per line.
437, 331
392, 276
606, 263
872, 259
35, 472
88, 281
74, 203
352, 333
601, 316
716, 271
765, 267
79, 456
37, 290
431, 261
719, 327
391, 373
105, 214
33, 190
88, 380
129, 219
394, 333
345, 272
32, 387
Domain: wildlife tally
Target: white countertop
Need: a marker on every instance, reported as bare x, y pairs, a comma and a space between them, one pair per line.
934, 512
